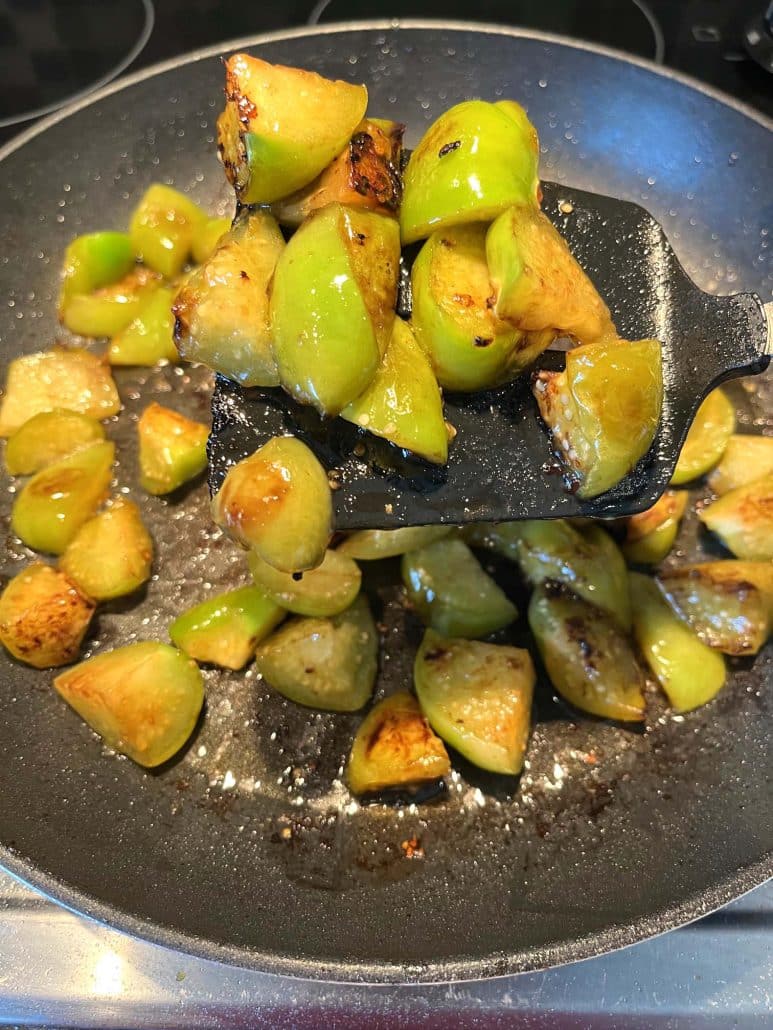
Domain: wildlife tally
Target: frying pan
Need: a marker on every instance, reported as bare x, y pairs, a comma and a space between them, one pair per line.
248, 848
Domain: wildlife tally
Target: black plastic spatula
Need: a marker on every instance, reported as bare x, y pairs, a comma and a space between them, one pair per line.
500, 464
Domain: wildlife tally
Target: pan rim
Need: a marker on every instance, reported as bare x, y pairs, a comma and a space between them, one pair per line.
612, 938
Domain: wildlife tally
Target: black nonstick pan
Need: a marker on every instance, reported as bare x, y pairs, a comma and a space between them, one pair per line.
248, 848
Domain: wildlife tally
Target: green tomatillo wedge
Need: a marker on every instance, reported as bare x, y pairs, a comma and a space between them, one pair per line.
332, 305
475, 161
110, 309
221, 310
477, 697
148, 339
278, 503
47, 437
689, 672
538, 283
603, 410
402, 403
650, 535
93, 261
745, 459
325, 590
162, 228
706, 439
206, 236
373, 544
281, 126
590, 662
56, 502
63, 377
395, 747
327, 663
43, 617
225, 630
173, 449
143, 699
452, 593
111, 554
743, 519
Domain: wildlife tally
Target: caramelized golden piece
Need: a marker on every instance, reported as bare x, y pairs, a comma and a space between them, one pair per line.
225, 630
650, 535
110, 309
43, 617
47, 437
395, 747
707, 438
744, 459
111, 554
173, 449
743, 519
62, 377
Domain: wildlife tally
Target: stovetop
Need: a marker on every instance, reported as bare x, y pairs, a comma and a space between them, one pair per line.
59, 969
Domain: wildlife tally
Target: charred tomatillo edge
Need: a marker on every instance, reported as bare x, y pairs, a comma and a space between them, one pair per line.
473, 162
374, 544
365, 174
451, 592
173, 449
147, 339
590, 662
226, 629
722, 603
327, 663
221, 310
325, 590
107, 311
143, 699
278, 502
689, 672
395, 747
71, 378
477, 697
650, 535
281, 126
538, 283
111, 554
743, 519
162, 228
43, 617
744, 459
332, 305
206, 236
707, 437
47, 437
403, 403
603, 410
54, 504
468, 346
92, 261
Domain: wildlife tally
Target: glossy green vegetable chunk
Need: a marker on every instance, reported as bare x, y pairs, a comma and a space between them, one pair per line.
332, 305
743, 519
206, 236
323, 663
110, 309
453, 318
603, 410
162, 229
452, 593
148, 338
221, 310
650, 535
473, 162
225, 630
56, 502
111, 554
278, 502
281, 126
325, 590
43, 617
537, 282
93, 261
395, 747
373, 544
173, 449
477, 697
402, 403
47, 437
729, 604
143, 699
689, 672
62, 377
745, 459
590, 662
707, 438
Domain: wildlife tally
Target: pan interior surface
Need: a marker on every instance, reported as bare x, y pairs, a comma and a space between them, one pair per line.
249, 848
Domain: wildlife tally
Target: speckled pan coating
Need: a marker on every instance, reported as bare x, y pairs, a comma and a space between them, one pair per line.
248, 849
